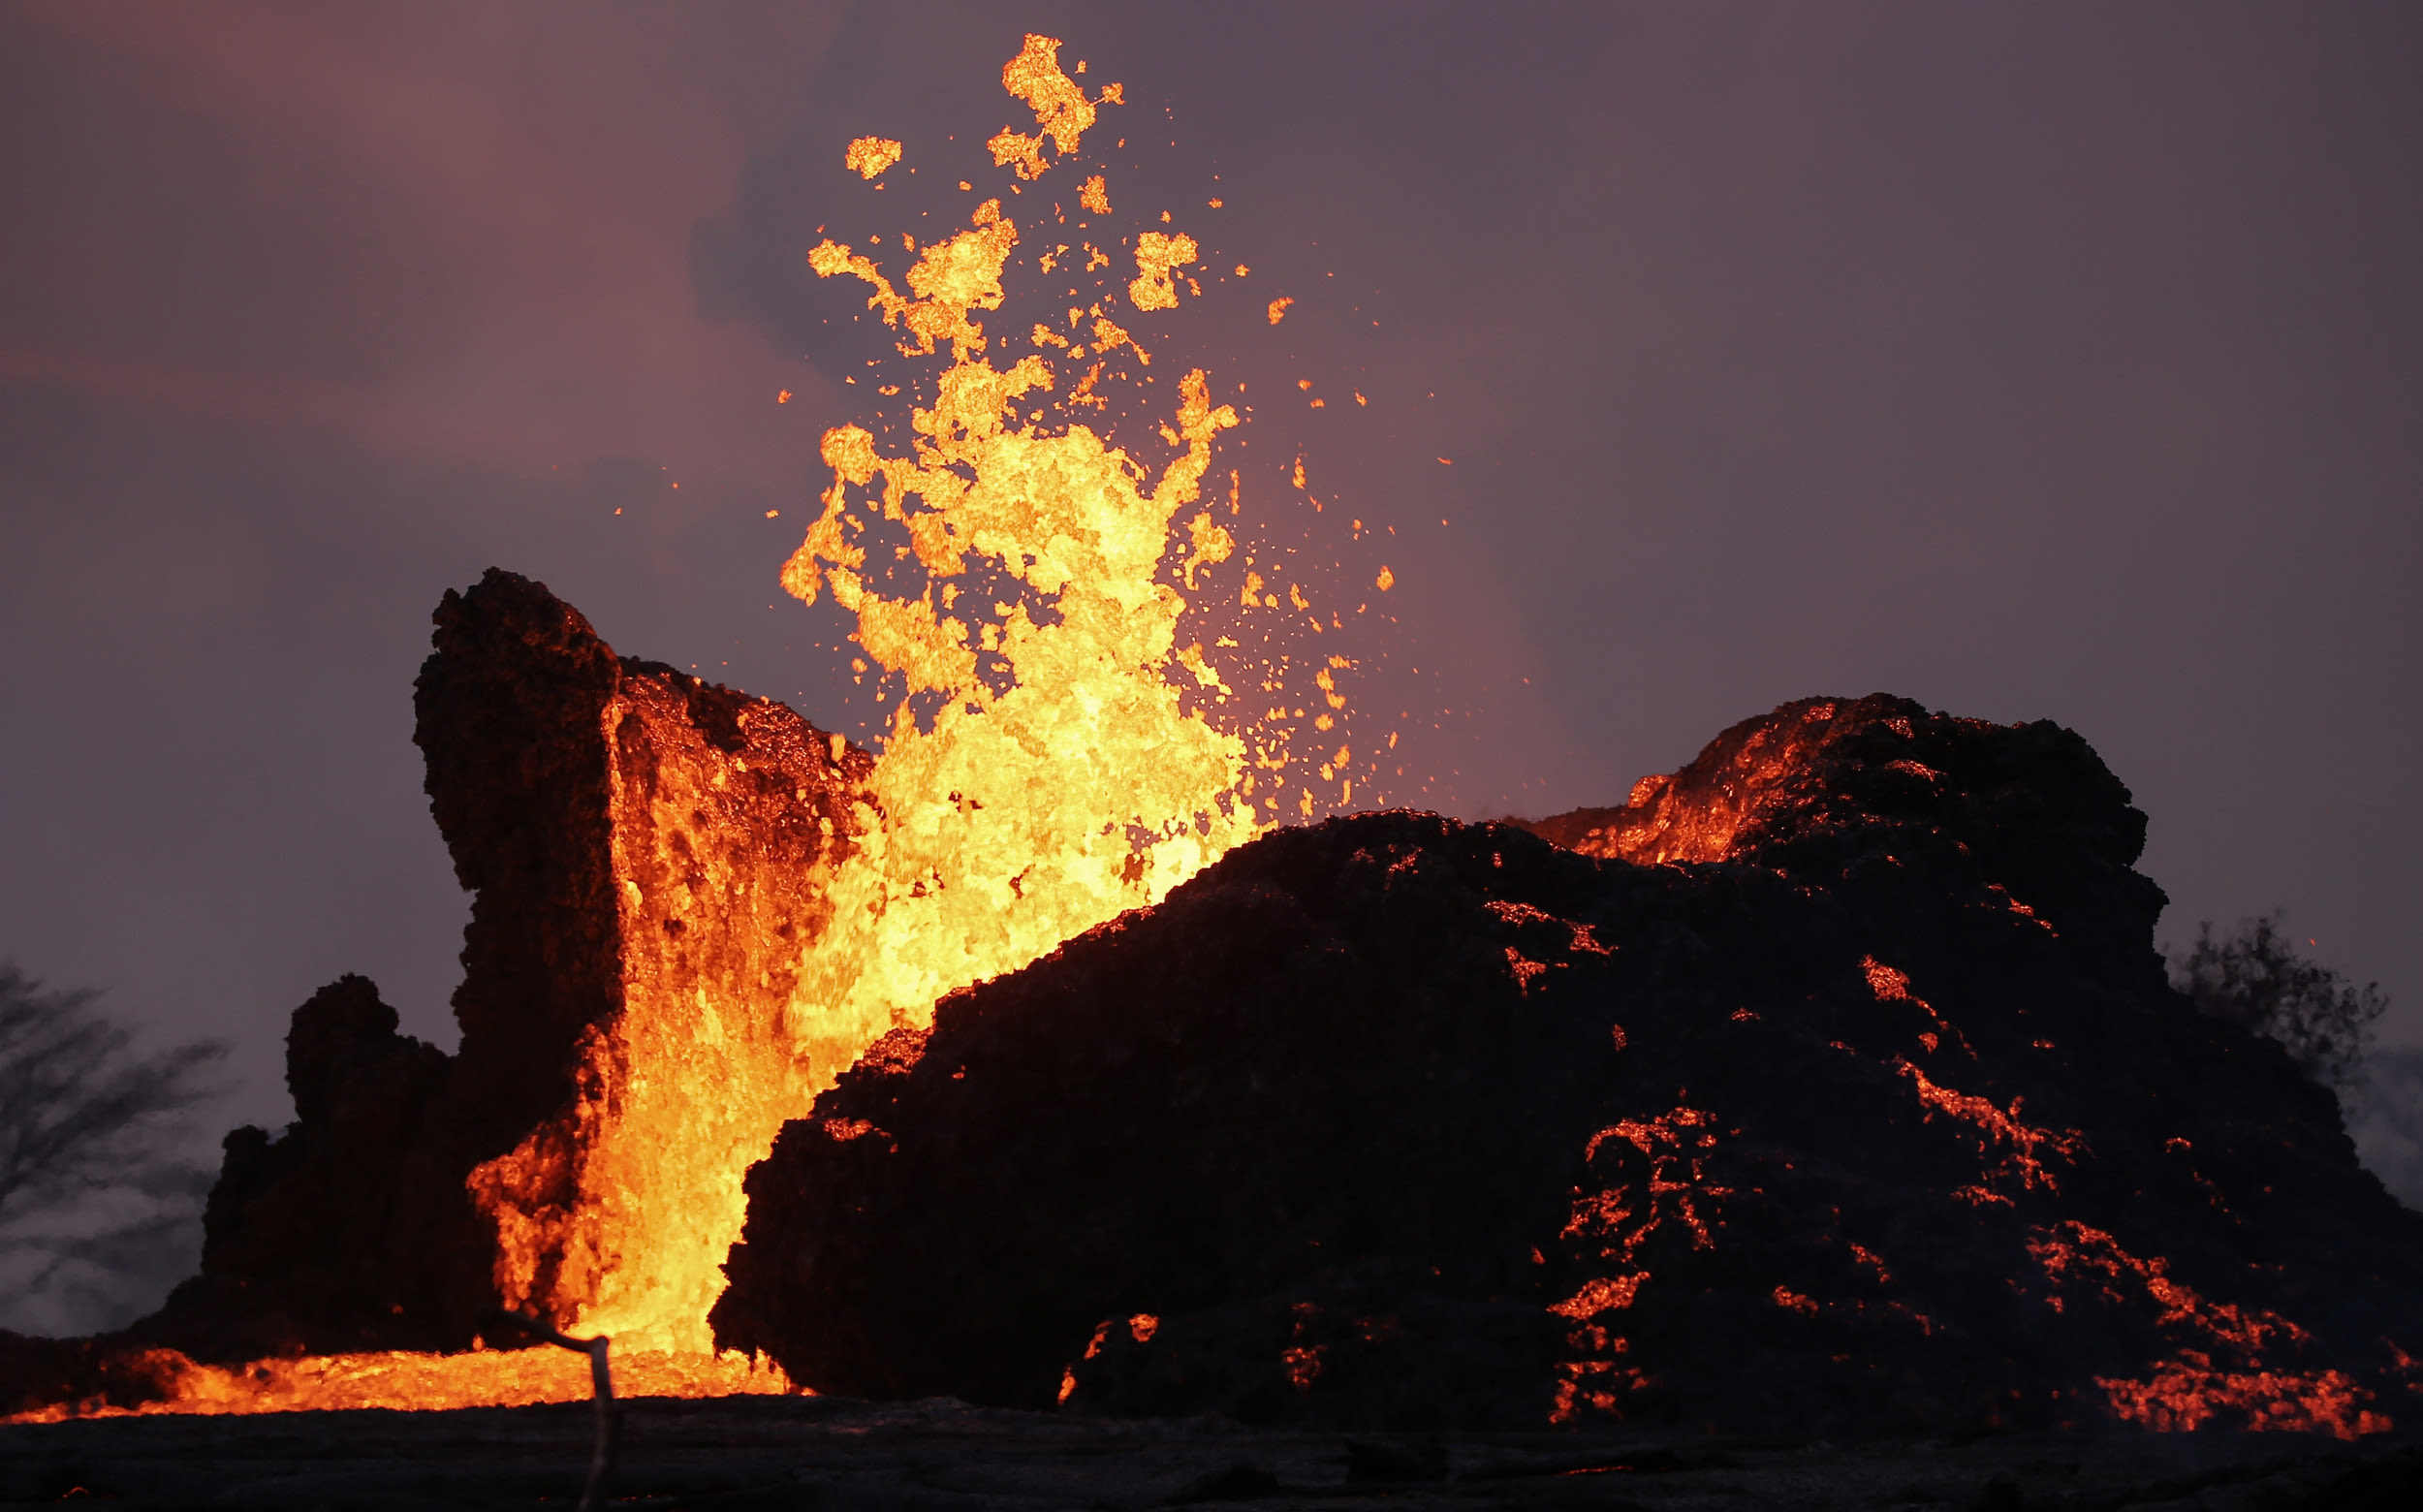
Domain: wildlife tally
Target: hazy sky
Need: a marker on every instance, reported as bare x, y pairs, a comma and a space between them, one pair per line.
2030, 360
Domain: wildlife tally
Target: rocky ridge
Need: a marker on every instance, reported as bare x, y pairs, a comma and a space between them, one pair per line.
1840, 1089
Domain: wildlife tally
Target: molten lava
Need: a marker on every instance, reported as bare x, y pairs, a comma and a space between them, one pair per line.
1054, 758
1043, 771
398, 1380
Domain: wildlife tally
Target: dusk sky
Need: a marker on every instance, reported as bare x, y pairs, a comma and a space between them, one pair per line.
2034, 361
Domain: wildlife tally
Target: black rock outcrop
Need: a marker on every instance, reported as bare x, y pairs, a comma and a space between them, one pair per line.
332, 1232
1842, 1088
586, 798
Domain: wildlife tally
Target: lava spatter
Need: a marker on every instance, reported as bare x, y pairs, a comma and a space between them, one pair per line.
1048, 762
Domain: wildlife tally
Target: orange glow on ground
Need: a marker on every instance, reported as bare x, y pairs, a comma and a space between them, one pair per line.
489, 1378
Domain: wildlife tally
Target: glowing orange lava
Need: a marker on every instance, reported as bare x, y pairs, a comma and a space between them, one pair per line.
490, 1379
1997, 1129
1654, 1173
1053, 759
1049, 763
2222, 1372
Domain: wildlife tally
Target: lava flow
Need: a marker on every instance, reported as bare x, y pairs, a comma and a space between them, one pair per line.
1054, 757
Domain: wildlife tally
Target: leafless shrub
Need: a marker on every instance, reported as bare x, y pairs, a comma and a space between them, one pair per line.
93, 1190
2255, 977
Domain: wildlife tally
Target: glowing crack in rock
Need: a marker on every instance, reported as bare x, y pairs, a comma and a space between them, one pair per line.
1996, 1127
1654, 1175
2224, 1371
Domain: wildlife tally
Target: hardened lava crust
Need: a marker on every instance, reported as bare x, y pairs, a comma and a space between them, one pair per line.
1833, 1083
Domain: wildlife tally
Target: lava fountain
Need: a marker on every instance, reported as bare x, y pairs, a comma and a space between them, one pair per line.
1018, 581
1043, 773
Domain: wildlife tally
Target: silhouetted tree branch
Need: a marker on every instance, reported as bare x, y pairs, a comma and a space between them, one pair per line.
2255, 977
81, 1113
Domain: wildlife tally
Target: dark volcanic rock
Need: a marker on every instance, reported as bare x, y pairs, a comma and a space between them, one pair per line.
509, 713
632, 837
2030, 808
1866, 1103
333, 1229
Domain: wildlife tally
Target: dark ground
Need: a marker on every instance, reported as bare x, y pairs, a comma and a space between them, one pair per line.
829, 1453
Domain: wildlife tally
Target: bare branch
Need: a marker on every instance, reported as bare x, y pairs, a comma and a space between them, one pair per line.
83, 1116
2255, 977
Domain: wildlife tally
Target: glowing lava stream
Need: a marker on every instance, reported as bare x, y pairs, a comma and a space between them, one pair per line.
1048, 766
